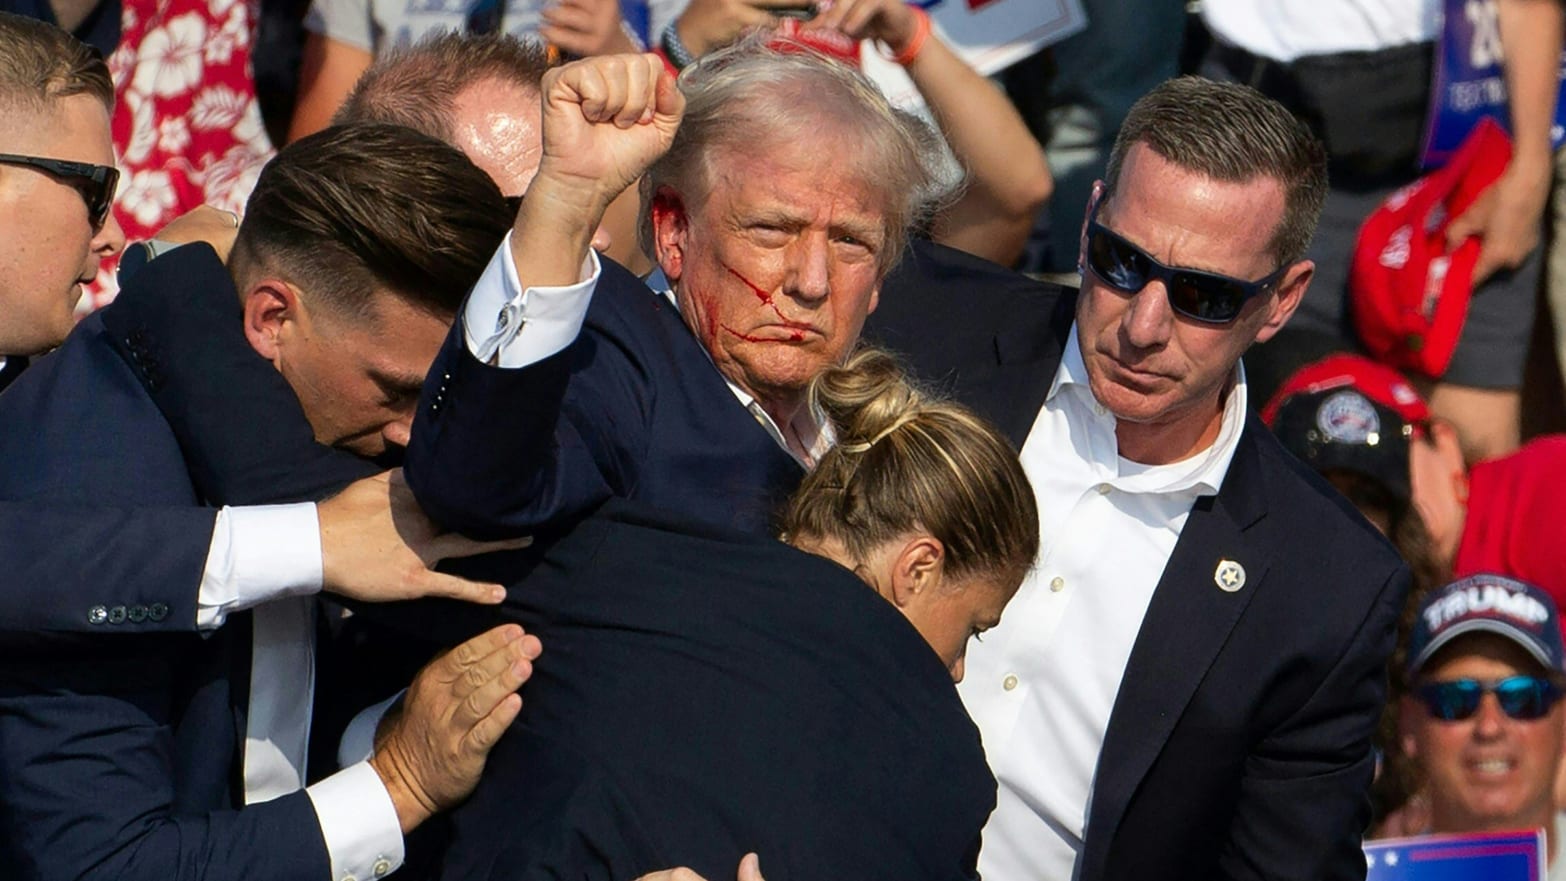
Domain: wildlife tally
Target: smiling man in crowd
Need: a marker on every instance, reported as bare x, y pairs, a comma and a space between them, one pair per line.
1483, 721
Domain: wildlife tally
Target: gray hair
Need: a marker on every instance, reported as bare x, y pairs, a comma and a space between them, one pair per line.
753, 93
1231, 132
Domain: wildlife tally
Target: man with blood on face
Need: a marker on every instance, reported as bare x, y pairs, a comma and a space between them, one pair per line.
780, 205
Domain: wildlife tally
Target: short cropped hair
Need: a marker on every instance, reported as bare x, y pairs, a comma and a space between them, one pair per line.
355, 210
906, 460
751, 94
39, 64
418, 85
1231, 132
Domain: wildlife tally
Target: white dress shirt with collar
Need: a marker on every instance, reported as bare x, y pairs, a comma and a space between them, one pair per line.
1041, 685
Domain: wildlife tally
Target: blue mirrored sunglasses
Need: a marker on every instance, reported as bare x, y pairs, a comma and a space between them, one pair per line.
1520, 697
1201, 296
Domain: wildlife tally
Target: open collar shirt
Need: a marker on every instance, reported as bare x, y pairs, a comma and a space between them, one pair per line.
1041, 685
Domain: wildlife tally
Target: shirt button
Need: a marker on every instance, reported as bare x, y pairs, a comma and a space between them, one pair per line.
382, 867
1057, 584
1009, 682
1103, 489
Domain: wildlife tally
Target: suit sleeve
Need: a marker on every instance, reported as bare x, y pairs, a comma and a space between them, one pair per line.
1303, 802
121, 571
86, 780
505, 451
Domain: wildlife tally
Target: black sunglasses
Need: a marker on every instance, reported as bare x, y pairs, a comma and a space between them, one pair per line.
96, 183
1200, 296
1520, 697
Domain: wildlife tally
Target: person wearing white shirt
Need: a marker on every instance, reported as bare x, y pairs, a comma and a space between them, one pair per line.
1186, 684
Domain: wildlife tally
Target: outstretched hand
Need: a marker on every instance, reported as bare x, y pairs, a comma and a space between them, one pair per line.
430, 753
377, 545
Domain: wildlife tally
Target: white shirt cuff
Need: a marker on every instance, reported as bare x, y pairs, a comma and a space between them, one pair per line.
358, 741
259, 553
359, 824
498, 309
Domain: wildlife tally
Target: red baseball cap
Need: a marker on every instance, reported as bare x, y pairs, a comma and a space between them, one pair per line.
1407, 293
1348, 412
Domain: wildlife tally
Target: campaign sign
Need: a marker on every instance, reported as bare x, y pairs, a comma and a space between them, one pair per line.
988, 34
1503, 856
1469, 83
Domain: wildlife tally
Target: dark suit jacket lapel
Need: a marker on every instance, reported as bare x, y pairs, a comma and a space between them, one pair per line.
1186, 625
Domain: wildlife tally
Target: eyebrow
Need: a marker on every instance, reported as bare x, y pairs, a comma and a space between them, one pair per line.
404, 384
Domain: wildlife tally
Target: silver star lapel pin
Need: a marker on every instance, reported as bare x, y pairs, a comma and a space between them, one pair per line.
1229, 576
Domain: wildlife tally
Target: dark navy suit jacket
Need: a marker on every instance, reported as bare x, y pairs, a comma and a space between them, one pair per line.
120, 758
1239, 743
634, 409
704, 693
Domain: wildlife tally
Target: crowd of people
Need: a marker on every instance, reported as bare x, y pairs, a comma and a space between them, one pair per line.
563, 459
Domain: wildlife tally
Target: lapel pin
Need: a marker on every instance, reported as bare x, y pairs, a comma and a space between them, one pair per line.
1230, 576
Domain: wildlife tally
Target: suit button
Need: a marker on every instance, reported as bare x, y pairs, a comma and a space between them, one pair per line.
117, 615
157, 611
97, 615
136, 614
382, 867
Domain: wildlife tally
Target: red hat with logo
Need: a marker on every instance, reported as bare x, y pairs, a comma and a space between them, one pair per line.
1408, 293
1348, 412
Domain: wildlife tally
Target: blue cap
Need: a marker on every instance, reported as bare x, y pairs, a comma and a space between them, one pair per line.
1488, 604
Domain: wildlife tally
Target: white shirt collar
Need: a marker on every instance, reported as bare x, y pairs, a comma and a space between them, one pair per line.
1204, 471
811, 425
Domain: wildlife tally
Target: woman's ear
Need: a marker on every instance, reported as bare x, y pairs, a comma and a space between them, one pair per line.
916, 570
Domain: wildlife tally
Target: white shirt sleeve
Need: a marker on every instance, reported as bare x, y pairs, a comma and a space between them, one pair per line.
259, 553
358, 823
498, 310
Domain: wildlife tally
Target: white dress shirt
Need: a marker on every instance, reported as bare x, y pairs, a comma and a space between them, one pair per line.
1041, 685
1284, 30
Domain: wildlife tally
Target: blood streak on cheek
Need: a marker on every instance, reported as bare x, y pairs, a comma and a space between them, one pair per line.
761, 295
766, 298
745, 336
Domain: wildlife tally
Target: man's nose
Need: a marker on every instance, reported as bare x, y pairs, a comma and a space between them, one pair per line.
810, 268
1149, 321
106, 242
397, 432
1490, 719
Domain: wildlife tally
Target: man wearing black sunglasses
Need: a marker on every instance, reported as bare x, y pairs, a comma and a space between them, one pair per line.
1483, 722
1186, 685
57, 178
